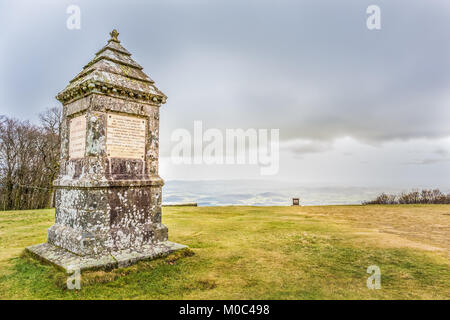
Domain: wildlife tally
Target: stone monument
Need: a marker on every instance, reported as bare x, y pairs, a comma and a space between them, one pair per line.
108, 192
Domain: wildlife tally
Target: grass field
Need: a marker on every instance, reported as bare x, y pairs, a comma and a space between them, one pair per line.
317, 252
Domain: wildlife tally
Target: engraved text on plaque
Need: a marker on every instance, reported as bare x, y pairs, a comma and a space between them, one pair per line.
125, 137
77, 137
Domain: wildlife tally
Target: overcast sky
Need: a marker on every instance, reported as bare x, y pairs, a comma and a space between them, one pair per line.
354, 106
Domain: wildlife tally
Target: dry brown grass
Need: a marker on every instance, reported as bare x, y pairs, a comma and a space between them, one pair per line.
416, 226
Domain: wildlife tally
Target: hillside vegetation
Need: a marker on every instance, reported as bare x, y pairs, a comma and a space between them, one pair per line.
423, 196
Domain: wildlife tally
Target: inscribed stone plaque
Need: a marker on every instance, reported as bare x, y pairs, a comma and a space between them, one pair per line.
125, 137
77, 137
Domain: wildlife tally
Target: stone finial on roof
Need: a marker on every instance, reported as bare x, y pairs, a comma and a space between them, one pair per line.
113, 72
114, 34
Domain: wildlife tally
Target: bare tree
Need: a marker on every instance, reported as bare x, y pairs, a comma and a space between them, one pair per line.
50, 147
29, 160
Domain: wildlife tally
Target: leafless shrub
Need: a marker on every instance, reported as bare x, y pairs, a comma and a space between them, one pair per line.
413, 197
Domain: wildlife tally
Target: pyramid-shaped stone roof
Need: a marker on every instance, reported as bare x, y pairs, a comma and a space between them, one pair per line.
112, 72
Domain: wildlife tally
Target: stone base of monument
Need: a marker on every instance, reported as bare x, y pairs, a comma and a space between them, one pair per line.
69, 261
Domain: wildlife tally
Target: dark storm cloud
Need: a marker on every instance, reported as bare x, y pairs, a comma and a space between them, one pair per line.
309, 68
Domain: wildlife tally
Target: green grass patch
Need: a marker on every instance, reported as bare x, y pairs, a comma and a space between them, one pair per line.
246, 253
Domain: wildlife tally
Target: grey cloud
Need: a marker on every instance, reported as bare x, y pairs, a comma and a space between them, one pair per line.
307, 147
309, 68
428, 161
442, 152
